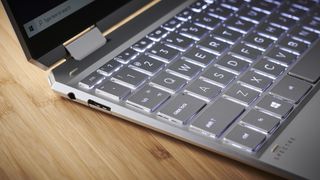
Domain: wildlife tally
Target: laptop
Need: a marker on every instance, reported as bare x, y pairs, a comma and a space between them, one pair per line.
236, 77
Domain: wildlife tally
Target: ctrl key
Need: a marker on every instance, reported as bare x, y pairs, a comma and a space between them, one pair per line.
245, 138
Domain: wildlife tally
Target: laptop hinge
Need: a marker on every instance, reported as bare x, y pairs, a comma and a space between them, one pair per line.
85, 43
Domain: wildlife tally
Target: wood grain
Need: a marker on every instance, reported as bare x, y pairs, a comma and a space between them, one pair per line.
43, 136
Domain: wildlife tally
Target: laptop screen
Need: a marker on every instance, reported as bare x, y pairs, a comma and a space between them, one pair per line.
36, 16
52, 12
43, 26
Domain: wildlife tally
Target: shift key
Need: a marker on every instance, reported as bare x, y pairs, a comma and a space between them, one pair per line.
217, 118
308, 67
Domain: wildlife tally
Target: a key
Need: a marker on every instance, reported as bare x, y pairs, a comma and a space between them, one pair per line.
245, 138
146, 65
163, 53
308, 66
291, 89
269, 68
110, 67
203, 90
292, 12
274, 106
280, 21
280, 56
192, 31
157, 34
245, 52
233, 64
255, 81
213, 45
263, 6
172, 24
185, 15
91, 80
251, 15
184, 69
198, 6
218, 76
168, 82
178, 41
181, 109
148, 98
126, 56
113, 90
270, 31
260, 121
206, 21
215, 119
239, 25
241, 94
257, 41
142, 45
129, 77
199, 57
304, 35
219, 11
226, 35
293, 45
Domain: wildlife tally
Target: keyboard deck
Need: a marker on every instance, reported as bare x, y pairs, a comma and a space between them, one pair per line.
229, 70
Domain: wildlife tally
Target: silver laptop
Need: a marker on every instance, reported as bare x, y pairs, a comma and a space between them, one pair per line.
236, 77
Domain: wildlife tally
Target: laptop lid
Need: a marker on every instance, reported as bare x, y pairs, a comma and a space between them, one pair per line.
43, 26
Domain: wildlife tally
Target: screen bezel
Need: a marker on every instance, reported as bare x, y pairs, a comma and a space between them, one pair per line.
47, 44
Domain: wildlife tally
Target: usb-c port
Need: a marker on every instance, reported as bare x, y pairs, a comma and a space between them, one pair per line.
98, 105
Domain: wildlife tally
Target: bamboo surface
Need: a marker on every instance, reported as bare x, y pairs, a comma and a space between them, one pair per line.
43, 136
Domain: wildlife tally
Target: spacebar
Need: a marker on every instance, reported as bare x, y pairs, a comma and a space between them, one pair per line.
308, 68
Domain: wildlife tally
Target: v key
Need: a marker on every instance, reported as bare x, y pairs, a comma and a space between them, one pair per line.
280, 56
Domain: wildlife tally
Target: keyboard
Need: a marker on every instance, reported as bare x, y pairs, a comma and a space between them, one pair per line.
251, 59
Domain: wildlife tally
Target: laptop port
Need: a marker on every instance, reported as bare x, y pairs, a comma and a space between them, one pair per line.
98, 105
71, 96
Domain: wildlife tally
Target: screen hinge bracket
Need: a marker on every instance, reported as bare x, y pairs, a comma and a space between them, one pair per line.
85, 43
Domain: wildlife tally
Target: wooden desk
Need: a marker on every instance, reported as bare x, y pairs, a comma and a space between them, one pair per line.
43, 136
